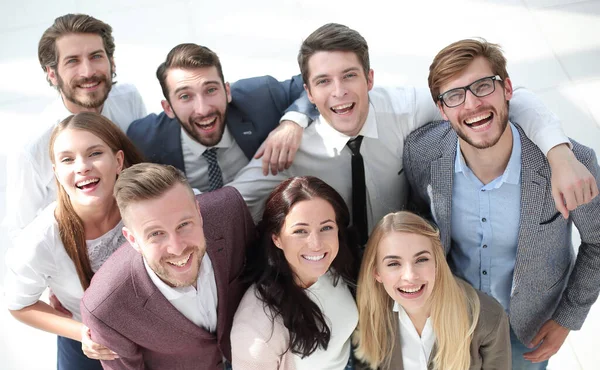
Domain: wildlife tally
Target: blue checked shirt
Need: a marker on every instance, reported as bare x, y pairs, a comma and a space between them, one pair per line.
485, 226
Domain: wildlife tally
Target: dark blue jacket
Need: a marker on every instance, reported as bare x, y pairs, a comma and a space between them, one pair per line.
256, 106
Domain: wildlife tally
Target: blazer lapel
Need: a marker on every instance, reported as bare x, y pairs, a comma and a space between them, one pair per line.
243, 131
440, 190
156, 303
218, 256
533, 193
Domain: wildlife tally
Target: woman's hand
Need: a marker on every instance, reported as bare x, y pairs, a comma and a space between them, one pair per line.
94, 350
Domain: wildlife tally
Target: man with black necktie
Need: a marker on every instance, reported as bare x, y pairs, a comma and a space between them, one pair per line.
334, 62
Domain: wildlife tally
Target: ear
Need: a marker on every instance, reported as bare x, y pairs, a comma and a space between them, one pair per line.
377, 276
310, 97
276, 241
228, 92
52, 75
120, 160
370, 79
113, 67
508, 89
440, 106
199, 213
131, 239
167, 108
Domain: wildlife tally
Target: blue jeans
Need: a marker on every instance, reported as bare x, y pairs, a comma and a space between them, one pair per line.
518, 349
71, 357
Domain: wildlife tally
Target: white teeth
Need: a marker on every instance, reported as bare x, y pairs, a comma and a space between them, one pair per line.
85, 182
314, 258
180, 263
207, 122
478, 118
411, 290
87, 86
343, 106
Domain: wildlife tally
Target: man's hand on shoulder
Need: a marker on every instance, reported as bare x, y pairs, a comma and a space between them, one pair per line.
572, 183
279, 149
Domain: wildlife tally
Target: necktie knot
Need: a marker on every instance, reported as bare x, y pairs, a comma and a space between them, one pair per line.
354, 144
215, 176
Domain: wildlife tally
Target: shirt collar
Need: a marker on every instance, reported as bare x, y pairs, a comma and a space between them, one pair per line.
336, 140
198, 149
512, 173
173, 293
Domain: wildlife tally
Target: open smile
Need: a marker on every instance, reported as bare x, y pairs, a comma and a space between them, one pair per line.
411, 293
88, 184
314, 258
480, 122
343, 109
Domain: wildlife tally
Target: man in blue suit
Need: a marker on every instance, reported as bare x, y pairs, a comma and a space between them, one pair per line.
210, 130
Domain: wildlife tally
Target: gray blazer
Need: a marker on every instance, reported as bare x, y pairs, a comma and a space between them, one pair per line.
548, 282
490, 347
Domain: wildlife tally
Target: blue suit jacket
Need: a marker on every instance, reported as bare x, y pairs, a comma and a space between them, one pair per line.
256, 106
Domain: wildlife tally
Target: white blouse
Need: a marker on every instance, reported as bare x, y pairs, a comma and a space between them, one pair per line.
38, 260
341, 314
415, 349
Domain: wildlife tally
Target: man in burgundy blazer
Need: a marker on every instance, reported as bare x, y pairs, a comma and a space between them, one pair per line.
127, 313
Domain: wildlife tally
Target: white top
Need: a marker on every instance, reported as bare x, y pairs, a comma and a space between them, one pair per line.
30, 184
38, 260
415, 349
393, 114
339, 308
230, 156
197, 305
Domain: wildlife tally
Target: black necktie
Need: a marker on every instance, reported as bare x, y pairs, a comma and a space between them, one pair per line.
215, 177
359, 191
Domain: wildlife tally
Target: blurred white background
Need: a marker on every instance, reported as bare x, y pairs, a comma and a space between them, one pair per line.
552, 46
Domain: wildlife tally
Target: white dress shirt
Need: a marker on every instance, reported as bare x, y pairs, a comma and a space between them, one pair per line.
199, 305
230, 156
30, 184
393, 114
416, 349
340, 312
38, 260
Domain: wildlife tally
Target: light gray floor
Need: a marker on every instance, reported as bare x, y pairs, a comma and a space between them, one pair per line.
553, 48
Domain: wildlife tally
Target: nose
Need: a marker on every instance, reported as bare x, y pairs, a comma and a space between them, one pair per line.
82, 166
471, 101
339, 90
409, 273
176, 245
314, 242
86, 69
201, 106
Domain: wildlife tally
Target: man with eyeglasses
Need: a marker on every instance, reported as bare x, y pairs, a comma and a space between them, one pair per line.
356, 143
488, 187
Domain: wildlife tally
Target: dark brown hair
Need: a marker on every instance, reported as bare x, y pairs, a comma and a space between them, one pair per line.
70, 225
275, 280
456, 57
333, 37
69, 24
187, 56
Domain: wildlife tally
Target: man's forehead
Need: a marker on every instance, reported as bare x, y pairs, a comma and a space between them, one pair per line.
478, 68
190, 76
74, 44
332, 62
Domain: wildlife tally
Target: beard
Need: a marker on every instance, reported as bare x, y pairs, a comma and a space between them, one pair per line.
163, 272
208, 140
91, 100
501, 117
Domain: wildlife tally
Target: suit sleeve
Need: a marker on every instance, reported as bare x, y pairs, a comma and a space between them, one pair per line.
301, 110
584, 282
130, 356
495, 348
415, 202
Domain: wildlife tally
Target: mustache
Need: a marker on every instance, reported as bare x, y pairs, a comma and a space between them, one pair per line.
87, 80
186, 251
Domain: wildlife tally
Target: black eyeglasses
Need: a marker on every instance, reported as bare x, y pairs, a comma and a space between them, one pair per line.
480, 88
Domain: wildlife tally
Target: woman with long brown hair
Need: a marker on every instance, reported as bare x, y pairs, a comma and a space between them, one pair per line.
414, 314
70, 239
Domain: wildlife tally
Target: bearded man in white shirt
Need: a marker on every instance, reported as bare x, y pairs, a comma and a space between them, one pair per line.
334, 62
76, 53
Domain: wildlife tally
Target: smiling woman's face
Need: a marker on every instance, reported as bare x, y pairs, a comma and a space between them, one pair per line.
309, 239
405, 266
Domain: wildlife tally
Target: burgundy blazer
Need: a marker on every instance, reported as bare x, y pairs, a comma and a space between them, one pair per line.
128, 314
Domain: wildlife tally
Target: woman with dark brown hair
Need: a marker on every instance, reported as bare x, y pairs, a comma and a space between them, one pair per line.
70, 239
300, 312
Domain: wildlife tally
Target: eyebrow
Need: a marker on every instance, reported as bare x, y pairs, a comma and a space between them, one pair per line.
150, 228
96, 146
99, 51
399, 258
326, 75
305, 224
186, 87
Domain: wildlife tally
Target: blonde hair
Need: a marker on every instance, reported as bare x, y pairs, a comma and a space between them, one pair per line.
454, 306
456, 57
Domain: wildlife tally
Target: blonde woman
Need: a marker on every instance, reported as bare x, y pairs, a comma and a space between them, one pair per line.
71, 238
414, 314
